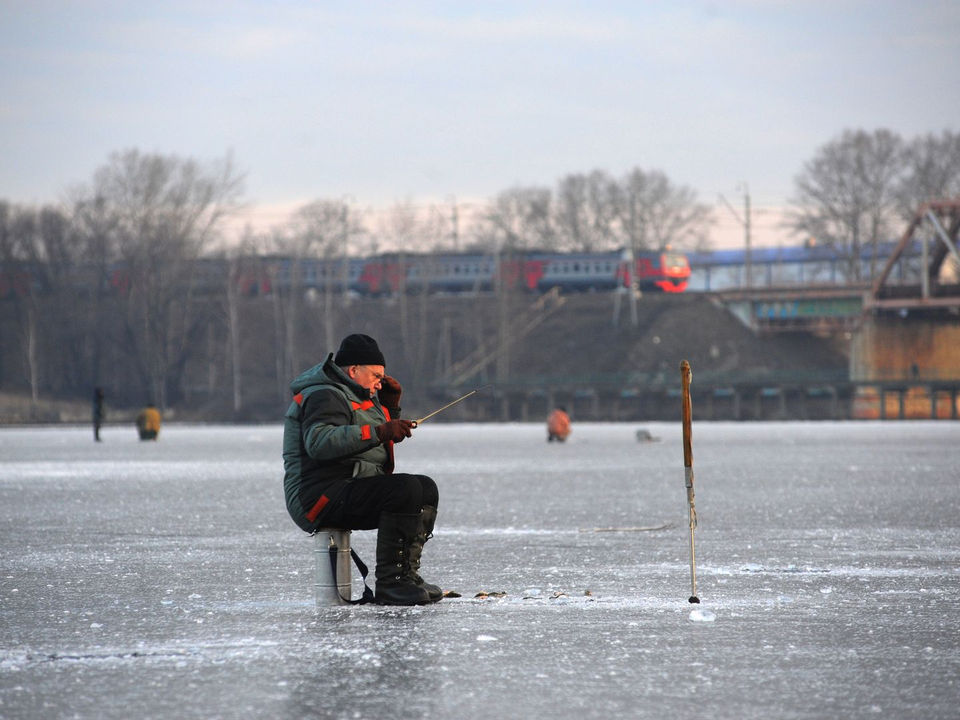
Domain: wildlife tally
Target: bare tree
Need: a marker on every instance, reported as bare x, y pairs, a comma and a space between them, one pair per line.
163, 212
519, 219
20, 262
931, 172
95, 226
846, 195
245, 275
39, 255
322, 230
585, 211
408, 231
655, 214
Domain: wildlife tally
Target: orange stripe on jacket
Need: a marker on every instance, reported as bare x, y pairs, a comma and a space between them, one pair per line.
317, 507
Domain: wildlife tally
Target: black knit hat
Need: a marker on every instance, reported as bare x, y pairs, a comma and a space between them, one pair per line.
359, 350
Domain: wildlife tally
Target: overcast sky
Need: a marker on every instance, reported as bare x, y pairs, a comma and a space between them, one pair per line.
381, 102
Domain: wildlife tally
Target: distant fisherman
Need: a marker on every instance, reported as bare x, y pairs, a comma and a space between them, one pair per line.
148, 422
97, 412
558, 425
338, 442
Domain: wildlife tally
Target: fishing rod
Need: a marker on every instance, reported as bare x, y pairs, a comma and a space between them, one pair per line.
685, 376
416, 423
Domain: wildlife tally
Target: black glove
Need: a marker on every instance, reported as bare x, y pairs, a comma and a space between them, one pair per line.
389, 394
395, 430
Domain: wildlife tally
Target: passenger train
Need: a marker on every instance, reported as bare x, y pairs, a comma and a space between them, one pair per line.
527, 272
532, 272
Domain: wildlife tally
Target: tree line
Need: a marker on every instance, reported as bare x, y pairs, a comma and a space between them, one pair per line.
146, 333
863, 187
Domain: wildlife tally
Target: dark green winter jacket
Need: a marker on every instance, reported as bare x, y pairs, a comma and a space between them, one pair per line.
329, 439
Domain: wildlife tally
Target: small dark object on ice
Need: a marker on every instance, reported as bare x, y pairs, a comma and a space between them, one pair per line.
483, 594
644, 435
647, 528
694, 599
451, 594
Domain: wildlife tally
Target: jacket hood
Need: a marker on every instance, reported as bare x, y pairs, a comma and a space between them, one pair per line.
328, 373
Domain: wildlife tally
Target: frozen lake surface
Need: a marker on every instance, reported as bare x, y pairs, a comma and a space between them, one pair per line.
165, 579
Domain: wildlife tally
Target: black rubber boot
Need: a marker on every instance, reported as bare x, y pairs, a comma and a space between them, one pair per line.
395, 536
424, 532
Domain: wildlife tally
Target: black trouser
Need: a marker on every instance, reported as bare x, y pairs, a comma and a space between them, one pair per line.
367, 497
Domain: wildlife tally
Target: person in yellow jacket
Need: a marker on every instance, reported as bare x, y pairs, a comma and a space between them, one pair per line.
148, 422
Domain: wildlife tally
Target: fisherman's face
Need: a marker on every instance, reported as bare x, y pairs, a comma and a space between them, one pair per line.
367, 376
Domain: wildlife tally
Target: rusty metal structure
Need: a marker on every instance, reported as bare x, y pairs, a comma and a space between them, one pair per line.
935, 227
906, 355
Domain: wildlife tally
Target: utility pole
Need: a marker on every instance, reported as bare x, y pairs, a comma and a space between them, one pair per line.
454, 224
634, 280
747, 259
629, 261
345, 248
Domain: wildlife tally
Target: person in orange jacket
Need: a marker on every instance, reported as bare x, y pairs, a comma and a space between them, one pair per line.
558, 425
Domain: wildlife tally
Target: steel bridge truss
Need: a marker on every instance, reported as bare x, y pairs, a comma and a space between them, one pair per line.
935, 226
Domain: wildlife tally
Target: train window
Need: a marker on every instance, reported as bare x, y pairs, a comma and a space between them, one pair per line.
576, 267
456, 269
